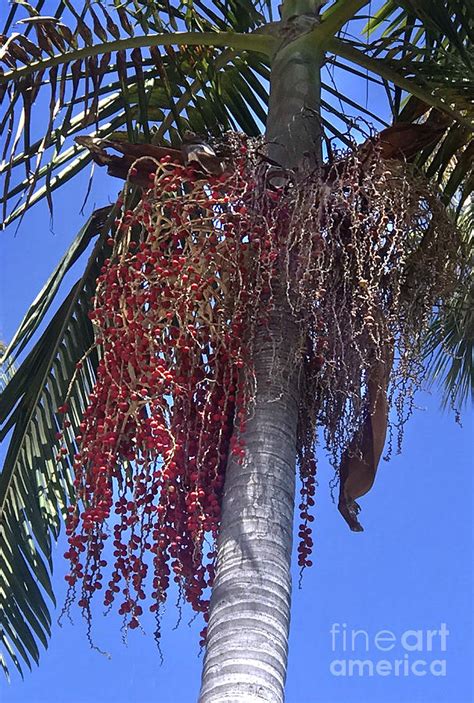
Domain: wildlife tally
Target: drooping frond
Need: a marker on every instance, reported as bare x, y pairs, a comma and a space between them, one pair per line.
426, 24
450, 339
36, 483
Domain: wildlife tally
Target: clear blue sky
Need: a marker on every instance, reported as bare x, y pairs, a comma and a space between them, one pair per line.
410, 570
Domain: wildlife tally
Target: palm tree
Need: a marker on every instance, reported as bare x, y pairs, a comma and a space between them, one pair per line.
142, 74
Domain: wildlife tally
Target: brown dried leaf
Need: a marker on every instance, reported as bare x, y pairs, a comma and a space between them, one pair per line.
119, 166
18, 53
29, 46
112, 28
124, 20
84, 31
360, 460
43, 40
98, 28
68, 36
55, 37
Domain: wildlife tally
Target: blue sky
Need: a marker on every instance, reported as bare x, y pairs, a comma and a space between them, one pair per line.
411, 570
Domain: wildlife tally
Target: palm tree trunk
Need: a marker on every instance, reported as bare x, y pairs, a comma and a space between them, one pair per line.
247, 642
250, 606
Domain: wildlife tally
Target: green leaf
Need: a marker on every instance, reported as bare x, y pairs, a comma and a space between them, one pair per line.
43, 301
34, 486
450, 339
440, 93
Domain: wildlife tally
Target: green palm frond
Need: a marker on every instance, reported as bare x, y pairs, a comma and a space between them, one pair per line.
5, 373
125, 67
102, 70
433, 41
426, 23
438, 79
34, 486
450, 339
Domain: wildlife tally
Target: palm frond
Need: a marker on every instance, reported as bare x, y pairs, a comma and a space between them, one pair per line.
5, 373
69, 60
426, 80
36, 480
428, 24
440, 79
450, 339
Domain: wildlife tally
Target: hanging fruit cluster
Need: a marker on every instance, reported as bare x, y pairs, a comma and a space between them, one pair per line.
174, 313
190, 278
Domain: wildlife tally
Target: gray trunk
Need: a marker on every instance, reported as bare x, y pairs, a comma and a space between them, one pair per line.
247, 644
250, 606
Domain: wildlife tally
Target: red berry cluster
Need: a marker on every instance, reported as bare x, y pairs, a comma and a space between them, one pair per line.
175, 310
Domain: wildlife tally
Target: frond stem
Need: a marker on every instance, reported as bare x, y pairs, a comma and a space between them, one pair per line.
261, 43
